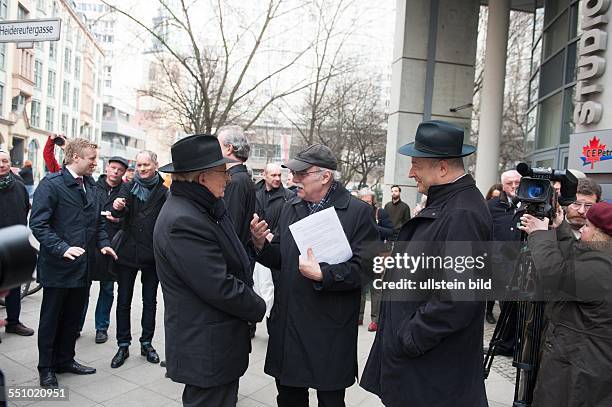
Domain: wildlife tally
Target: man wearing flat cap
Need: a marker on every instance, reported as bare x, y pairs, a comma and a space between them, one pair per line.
313, 323
428, 350
108, 187
205, 275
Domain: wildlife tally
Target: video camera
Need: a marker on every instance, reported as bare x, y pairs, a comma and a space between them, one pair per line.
536, 193
17, 257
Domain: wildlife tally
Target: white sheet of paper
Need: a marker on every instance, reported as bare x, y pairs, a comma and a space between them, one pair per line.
323, 233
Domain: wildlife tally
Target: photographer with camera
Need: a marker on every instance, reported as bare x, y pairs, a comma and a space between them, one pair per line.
577, 348
14, 208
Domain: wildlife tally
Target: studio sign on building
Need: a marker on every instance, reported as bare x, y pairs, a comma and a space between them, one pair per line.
591, 65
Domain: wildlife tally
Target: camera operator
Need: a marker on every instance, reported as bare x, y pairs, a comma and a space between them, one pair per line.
14, 208
577, 353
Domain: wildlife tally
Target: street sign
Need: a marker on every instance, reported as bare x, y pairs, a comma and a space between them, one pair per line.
36, 30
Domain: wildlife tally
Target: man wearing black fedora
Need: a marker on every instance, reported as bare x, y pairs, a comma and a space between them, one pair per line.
428, 350
205, 275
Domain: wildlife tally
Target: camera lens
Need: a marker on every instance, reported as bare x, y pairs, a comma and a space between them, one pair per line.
59, 141
534, 191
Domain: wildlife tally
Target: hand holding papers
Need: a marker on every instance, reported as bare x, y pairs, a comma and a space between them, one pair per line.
323, 233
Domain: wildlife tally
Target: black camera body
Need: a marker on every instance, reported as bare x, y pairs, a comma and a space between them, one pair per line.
17, 257
537, 194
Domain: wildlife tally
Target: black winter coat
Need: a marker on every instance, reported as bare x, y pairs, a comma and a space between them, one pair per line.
429, 353
269, 203
136, 248
106, 195
14, 204
27, 175
240, 201
207, 303
62, 217
313, 325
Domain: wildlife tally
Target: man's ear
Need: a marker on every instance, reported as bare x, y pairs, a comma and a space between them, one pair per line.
202, 178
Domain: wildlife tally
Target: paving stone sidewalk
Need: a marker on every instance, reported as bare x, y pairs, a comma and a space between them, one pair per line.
139, 383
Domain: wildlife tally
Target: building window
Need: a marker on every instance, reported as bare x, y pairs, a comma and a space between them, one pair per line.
37, 74
2, 55
77, 68
75, 99
67, 60
3, 9
49, 119
35, 114
107, 83
52, 50
73, 128
64, 124
51, 84
22, 13
66, 93
1, 100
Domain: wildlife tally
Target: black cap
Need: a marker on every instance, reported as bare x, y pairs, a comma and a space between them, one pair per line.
316, 154
120, 160
437, 139
194, 153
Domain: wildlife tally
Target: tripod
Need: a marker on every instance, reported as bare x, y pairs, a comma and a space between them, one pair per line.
529, 328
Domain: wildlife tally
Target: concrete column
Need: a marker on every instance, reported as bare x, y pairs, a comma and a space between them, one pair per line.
492, 95
432, 71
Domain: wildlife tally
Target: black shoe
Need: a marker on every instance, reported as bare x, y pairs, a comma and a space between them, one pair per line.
490, 319
122, 354
150, 353
162, 363
19, 329
101, 336
76, 368
47, 378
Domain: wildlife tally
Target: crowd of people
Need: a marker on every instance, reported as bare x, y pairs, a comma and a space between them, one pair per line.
200, 236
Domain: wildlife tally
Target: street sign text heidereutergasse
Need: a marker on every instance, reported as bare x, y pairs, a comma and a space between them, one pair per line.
46, 29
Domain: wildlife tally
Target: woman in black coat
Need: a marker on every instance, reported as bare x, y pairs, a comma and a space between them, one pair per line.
139, 203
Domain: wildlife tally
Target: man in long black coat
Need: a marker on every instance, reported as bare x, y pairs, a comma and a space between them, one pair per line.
271, 196
313, 323
66, 221
205, 277
429, 352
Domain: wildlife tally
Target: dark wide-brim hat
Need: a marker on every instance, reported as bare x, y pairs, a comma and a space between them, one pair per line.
316, 154
438, 139
194, 153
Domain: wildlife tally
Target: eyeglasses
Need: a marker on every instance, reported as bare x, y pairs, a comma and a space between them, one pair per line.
225, 172
301, 174
578, 205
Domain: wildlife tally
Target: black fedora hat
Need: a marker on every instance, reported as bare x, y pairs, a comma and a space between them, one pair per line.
193, 153
438, 139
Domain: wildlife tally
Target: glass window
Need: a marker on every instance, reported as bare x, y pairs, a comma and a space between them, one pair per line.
35, 114
534, 85
73, 128
575, 20
22, 13
1, 100
51, 84
552, 8
75, 99
67, 60
551, 74
66, 93
568, 115
52, 50
536, 56
545, 163
531, 130
64, 128
549, 127
37, 74
3, 9
570, 69
556, 35
2, 56
77, 67
49, 118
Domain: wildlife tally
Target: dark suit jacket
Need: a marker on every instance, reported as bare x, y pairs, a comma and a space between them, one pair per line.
62, 217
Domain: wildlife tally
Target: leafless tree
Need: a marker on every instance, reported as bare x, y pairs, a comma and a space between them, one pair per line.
203, 70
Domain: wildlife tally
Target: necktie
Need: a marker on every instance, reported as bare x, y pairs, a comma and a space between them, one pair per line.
79, 180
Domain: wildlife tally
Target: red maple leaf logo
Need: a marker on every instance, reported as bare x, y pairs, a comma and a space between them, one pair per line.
593, 152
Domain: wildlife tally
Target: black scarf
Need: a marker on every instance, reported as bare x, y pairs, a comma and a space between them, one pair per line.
216, 208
